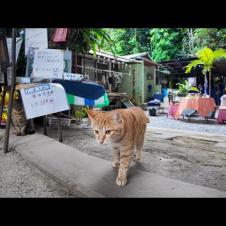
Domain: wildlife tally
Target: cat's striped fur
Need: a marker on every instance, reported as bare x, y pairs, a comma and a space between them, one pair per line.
21, 126
125, 130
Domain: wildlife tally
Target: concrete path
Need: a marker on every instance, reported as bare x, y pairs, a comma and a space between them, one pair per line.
89, 176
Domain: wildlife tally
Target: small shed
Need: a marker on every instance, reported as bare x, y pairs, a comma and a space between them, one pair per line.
142, 83
132, 74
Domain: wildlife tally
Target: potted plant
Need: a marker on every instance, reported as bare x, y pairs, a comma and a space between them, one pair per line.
81, 115
184, 88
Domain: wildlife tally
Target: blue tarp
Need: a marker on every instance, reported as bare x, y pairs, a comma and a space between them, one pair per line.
85, 89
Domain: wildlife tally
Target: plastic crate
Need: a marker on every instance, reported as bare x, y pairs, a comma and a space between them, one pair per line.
53, 121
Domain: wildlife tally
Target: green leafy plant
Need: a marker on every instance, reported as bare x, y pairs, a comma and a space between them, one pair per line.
206, 57
81, 113
194, 89
82, 40
183, 88
129, 40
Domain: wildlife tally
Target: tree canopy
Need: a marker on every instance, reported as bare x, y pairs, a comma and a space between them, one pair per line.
165, 43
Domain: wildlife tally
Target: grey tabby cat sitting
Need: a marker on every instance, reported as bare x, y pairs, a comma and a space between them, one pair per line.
21, 126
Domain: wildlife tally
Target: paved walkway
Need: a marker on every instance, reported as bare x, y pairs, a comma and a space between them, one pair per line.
89, 176
194, 125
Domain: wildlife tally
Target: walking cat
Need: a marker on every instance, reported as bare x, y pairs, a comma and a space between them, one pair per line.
125, 130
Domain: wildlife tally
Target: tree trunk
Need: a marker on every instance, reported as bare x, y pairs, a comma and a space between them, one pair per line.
205, 85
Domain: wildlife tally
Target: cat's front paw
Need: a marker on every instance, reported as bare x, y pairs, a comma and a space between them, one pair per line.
121, 181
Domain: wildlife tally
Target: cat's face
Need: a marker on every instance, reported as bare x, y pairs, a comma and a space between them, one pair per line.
17, 106
107, 127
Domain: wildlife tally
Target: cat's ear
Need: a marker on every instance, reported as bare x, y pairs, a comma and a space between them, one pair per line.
91, 114
117, 117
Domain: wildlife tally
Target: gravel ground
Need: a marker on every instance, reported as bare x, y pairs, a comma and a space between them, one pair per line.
199, 125
20, 180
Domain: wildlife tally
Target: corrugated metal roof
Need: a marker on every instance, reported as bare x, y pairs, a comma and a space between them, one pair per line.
142, 57
131, 56
114, 57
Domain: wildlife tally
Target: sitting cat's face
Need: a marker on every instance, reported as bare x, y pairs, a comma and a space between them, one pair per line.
107, 126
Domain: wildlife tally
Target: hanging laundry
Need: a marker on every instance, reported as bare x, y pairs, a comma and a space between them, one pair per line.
60, 35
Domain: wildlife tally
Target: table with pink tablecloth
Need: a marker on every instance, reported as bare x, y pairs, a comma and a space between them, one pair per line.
221, 116
203, 105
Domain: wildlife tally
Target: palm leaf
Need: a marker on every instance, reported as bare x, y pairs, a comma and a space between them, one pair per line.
205, 55
193, 64
218, 54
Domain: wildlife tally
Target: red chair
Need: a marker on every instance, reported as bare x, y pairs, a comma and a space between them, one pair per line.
222, 110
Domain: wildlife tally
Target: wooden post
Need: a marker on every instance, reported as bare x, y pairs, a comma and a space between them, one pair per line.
59, 129
12, 89
5, 61
109, 75
84, 64
2, 103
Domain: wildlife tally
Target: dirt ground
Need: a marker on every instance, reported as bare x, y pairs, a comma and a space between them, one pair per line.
196, 161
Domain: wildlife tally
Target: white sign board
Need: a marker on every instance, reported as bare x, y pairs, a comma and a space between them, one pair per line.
73, 77
48, 63
36, 38
44, 99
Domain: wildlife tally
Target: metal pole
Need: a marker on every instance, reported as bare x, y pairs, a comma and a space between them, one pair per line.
2, 103
12, 89
45, 124
59, 129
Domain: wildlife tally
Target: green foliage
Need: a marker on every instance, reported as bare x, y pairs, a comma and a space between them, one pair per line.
183, 88
82, 40
213, 37
206, 57
81, 113
194, 89
166, 43
129, 40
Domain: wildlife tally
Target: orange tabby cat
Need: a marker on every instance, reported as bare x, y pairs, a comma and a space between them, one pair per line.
124, 129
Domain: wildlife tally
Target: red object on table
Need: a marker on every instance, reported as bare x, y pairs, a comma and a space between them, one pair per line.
221, 116
172, 109
203, 105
